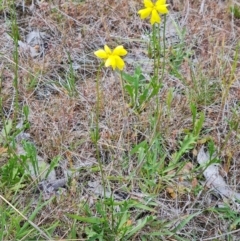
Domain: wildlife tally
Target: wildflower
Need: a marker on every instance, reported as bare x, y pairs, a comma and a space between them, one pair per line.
160, 7
112, 58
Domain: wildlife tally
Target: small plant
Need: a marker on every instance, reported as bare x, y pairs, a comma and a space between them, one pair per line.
116, 222
12, 174
178, 52
19, 225
235, 10
114, 59
70, 84
229, 80
139, 89
16, 37
153, 166
150, 165
38, 169
228, 215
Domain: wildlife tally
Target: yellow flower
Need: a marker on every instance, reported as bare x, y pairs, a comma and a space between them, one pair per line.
112, 58
160, 7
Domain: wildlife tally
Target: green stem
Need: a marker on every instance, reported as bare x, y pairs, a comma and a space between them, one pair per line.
158, 50
123, 93
164, 49
15, 36
96, 136
154, 46
163, 68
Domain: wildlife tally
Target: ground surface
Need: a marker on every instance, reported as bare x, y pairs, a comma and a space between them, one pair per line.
56, 75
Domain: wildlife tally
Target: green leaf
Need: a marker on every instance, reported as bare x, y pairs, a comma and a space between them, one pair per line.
130, 79
142, 206
138, 71
5, 131
194, 113
130, 91
154, 92
143, 96
198, 125
140, 224
236, 11
184, 221
24, 229
123, 220
94, 220
186, 144
53, 164
142, 144
26, 111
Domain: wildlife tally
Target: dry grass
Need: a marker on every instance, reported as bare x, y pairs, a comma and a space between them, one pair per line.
61, 125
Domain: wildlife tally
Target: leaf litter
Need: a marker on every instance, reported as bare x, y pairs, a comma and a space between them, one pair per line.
57, 121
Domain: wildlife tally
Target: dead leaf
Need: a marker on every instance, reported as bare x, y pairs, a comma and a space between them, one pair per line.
187, 168
34, 44
3, 150
194, 182
213, 179
171, 192
194, 152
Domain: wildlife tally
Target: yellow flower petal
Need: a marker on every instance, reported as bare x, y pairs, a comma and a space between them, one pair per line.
119, 63
144, 13
148, 4
160, 2
162, 8
101, 54
114, 63
155, 18
111, 61
120, 51
108, 62
107, 49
